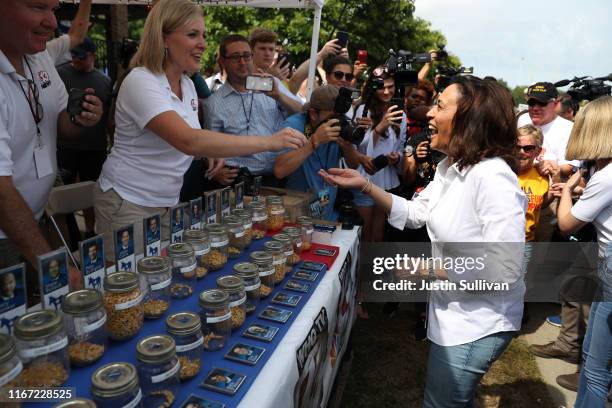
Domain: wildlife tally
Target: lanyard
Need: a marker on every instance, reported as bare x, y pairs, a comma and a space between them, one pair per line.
36, 108
248, 118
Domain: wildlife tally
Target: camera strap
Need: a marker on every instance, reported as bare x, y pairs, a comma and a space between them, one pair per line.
33, 102
250, 115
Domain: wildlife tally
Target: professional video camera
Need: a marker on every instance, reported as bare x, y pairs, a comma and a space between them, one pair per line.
447, 73
399, 65
349, 131
584, 88
441, 54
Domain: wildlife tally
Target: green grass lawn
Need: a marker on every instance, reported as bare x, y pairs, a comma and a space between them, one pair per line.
389, 367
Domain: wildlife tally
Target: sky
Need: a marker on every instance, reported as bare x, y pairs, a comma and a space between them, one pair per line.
525, 41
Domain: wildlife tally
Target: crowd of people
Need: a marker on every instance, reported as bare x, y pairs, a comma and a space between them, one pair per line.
444, 165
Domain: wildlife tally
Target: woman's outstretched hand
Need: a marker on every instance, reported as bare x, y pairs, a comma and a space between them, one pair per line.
345, 178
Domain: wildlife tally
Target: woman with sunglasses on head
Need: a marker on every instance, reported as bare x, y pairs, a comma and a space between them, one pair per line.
474, 198
157, 131
590, 140
380, 149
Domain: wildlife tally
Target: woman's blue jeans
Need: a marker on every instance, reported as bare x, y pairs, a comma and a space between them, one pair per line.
453, 372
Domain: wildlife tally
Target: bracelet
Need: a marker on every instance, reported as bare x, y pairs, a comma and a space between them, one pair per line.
367, 187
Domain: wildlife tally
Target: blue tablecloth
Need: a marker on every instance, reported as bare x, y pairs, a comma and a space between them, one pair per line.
126, 351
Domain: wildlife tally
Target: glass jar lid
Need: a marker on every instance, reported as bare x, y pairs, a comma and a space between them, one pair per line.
113, 379
180, 249
304, 220
261, 257
257, 205
182, 323
37, 325
197, 236
246, 270
293, 232
214, 299
243, 213
233, 284
274, 200
77, 403
232, 221
81, 301
216, 229
158, 348
120, 282
7, 348
282, 238
273, 246
153, 264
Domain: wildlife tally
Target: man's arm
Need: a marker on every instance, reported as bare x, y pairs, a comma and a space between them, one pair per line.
287, 163
18, 223
350, 153
301, 73
80, 24
289, 104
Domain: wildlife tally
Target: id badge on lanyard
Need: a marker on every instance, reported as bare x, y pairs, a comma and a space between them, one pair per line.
42, 158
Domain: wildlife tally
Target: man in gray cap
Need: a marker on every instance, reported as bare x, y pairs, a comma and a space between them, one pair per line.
319, 123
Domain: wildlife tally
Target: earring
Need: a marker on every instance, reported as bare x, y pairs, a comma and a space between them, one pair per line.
166, 52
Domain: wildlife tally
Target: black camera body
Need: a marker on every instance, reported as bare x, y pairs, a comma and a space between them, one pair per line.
589, 89
447, 73
348, 130
76, 97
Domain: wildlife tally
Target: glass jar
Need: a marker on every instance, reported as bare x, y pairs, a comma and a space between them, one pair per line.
156, 272
234, 286
84, 319
266, 269
260, 219
215, 316
279, 259
249, 273
235, 231
246, 216
198, 238
123, 294
219, 241
183, 264
76, 403
307, 226
42, 344
116, 385
295, 234
10, 364
290, 258
276, 213
186, 330
158, 370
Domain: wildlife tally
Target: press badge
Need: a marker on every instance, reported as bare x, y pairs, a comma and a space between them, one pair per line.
42, 160
323, 195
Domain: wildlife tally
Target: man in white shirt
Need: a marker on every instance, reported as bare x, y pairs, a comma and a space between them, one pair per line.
33, 112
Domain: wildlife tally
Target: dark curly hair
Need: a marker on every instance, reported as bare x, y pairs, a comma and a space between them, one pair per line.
485, 123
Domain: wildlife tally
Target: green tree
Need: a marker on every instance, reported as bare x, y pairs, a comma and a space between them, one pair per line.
518, 94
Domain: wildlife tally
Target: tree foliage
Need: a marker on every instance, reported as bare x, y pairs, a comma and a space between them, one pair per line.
373, 25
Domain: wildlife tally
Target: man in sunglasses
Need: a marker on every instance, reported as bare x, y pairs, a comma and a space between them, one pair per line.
33, 114
236, 110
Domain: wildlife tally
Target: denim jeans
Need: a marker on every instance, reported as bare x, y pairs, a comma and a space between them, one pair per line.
453, 372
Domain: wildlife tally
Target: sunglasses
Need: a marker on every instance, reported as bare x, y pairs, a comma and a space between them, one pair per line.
339, 75
535, 102
527, 148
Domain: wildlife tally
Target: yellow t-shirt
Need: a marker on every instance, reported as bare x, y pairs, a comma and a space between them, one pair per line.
535, 188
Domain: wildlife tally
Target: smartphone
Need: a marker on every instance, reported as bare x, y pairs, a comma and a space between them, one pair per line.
342, 37
362, 56
257, 83
283, 58
76, 97
380, 162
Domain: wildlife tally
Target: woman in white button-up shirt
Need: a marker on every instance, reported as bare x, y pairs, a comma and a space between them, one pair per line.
474, 197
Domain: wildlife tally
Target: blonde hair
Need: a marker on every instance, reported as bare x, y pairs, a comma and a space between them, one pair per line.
591, 137
530, 130
165, 17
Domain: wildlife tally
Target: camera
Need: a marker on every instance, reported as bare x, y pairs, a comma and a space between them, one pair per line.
447, 73
348, 130
399, 65
589, 89
76, 97
442, 55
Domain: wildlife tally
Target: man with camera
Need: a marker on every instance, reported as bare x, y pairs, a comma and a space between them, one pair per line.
240, 110
33, 100
321, 125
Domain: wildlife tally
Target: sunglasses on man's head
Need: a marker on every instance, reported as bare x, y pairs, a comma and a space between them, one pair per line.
527, 148
339, 75
535, 102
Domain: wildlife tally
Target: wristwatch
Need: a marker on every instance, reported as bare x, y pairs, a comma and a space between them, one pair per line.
408, 149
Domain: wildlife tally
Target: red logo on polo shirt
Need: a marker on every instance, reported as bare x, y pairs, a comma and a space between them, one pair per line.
43, 78
194, 105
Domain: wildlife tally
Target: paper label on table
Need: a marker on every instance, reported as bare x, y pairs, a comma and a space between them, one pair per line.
133, 403
191, 346
253, 287
217, 319
268, 272
187, 269
11, 374
92, 326
41, 351
163, 376
219, 244
129, 303
237, 302
161, 285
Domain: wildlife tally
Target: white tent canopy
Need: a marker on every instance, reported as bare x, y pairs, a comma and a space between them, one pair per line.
317, 5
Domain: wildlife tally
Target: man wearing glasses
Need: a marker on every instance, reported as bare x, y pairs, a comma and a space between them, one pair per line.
235, 110
33, 113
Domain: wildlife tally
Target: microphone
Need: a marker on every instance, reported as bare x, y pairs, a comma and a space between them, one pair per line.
606, 78
563, 82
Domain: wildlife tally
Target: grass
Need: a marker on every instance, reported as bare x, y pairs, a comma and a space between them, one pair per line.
388, 369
